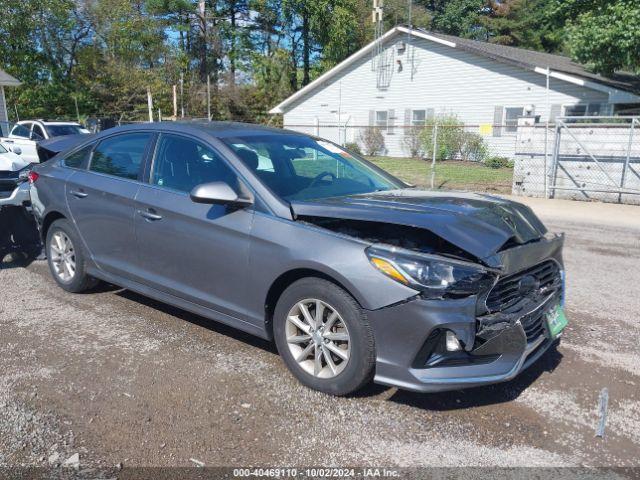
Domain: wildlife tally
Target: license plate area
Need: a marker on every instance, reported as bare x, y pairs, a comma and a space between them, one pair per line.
556, 321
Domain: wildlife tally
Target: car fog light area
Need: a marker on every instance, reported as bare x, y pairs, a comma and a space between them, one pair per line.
452, 343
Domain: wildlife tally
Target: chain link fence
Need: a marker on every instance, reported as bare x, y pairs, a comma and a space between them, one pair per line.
438, 156
580, 158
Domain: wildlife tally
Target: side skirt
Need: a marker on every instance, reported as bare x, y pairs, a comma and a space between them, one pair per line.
179, 302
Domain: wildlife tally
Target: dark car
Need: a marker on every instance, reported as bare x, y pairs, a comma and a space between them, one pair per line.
353, 274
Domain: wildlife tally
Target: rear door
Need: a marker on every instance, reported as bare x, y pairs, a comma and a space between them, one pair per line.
194, 251
101, 200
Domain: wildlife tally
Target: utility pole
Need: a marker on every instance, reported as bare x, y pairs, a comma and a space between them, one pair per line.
181, 95
75, 100
208, 97
175, 103
150, 104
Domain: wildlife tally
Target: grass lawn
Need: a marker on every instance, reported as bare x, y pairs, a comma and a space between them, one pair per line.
452, 175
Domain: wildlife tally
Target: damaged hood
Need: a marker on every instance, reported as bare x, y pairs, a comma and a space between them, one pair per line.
478, 224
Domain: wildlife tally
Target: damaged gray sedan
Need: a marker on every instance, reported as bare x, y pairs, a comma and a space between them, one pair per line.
354, 275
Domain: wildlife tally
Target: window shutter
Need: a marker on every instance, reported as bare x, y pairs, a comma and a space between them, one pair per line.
407, 118
554, 112
497, 120
372, 118
391, 121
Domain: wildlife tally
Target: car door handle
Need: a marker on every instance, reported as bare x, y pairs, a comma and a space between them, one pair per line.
78, 193
150, 214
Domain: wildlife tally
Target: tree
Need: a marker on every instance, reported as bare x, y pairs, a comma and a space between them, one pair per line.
462, 18
522, 23
607, 37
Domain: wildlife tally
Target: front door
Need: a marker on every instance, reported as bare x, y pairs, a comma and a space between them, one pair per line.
101, 200
194, 251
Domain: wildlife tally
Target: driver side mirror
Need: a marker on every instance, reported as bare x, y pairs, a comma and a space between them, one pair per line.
218, 193
17, 150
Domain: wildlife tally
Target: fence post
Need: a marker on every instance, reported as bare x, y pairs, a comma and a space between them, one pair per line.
433, 159
625, 167
554, 161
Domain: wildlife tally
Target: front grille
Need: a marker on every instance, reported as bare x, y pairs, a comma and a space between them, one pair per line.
506, 293
533, 325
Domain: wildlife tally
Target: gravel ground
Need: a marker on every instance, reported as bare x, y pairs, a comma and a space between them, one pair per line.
117, 378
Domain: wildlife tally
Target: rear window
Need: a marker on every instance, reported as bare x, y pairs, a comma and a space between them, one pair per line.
60, 130
120, 156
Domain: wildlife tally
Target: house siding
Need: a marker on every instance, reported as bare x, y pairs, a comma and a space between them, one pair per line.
445, 80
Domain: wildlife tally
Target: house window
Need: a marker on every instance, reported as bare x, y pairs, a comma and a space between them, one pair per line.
382, 119
511, 115
418, 118
587, 109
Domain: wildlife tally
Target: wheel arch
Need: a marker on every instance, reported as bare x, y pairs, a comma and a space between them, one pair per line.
287, 278
49, 218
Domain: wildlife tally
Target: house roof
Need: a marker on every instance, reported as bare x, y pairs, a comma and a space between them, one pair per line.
558, 66
531, 59
7, 80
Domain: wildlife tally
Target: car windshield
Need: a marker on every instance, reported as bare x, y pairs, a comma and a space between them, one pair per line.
60, 130
296, 167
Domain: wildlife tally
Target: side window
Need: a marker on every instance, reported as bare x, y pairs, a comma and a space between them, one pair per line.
511, 115
37, 133
80, 158
120, 156
181, 163
20, 131
256, 159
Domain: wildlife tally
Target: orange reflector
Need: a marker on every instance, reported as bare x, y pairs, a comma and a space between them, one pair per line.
388, 269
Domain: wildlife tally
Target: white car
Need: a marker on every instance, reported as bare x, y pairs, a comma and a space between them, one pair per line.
12, 169
25, 134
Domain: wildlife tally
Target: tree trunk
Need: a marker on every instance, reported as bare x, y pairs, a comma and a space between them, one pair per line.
306, 47
203, 40
232, 52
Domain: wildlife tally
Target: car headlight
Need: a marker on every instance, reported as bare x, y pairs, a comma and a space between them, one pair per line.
434, 276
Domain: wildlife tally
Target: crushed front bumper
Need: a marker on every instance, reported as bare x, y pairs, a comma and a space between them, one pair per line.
402, 332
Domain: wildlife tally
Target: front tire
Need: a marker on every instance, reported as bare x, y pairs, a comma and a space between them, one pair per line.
66, 258
323, 336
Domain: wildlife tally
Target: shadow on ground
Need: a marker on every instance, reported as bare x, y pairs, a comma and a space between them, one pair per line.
199, 320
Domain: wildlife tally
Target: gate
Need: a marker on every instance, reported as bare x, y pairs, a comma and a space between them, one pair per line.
596, 158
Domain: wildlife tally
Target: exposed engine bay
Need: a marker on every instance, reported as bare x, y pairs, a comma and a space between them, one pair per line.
410, 238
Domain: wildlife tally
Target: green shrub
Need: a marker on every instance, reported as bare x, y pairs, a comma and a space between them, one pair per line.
498, 162
473, 148
353, 147
372, 140
450, 138
453, 142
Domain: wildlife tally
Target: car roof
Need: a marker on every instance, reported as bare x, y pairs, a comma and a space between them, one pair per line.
47, 122
215, 129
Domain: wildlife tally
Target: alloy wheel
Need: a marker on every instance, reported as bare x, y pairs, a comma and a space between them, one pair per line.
63, 257
318, 338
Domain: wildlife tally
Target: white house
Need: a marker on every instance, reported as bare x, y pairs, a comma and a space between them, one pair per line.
409, 76
6, 80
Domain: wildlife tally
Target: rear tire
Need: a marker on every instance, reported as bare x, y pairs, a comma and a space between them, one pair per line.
66, 258
335, 355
